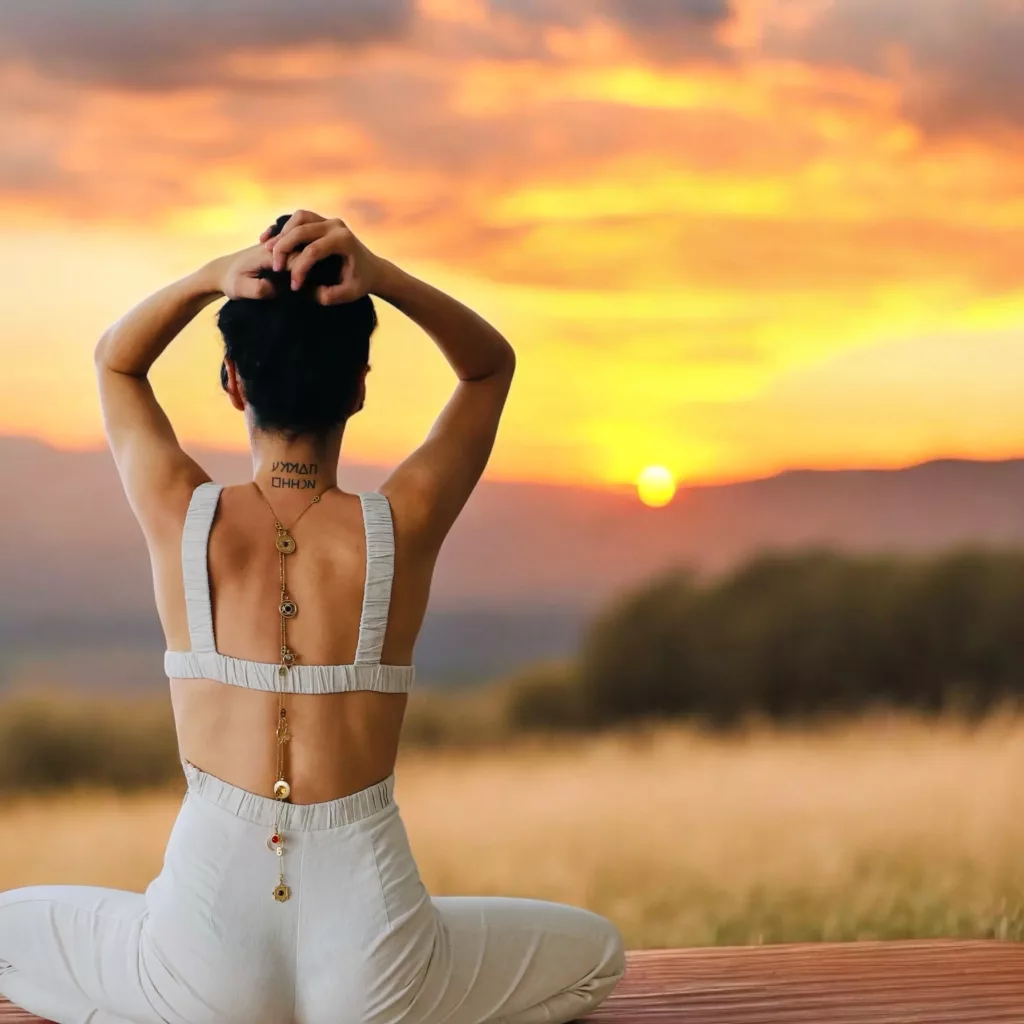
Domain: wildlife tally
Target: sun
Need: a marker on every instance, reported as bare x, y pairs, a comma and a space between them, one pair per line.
656, 486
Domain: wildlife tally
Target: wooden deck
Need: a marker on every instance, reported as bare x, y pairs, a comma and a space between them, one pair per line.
863, 983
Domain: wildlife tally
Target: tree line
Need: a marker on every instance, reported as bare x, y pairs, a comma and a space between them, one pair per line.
798, 635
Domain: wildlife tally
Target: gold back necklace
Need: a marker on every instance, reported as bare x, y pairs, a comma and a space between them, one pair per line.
287, 609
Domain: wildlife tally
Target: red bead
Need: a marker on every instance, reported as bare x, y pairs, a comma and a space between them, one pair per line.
275, 839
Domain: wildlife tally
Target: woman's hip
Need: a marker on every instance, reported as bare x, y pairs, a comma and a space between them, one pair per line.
241, 865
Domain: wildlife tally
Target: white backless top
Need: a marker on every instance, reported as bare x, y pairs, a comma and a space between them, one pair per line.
204, 661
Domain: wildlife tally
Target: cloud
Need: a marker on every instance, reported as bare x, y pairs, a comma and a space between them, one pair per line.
658, 15
167, 43
640, 13
35, 117
958, 62
663, 28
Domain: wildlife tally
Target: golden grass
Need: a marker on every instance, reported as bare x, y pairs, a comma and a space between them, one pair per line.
884, 829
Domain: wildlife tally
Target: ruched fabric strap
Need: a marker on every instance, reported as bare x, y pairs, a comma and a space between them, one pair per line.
195, 540
380, 572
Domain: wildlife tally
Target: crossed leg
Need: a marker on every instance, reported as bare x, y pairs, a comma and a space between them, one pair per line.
518, 961
71, 954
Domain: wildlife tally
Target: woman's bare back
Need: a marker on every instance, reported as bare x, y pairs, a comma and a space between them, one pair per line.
341, 742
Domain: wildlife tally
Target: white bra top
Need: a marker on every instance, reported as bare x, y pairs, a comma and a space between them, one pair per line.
204, 661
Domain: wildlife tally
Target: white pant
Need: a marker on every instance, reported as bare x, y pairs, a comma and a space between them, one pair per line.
360, 940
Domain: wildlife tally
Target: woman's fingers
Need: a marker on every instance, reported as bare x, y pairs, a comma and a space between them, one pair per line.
348, 289
290, 240
336, 294
298, 218
253, 288
304, 261
307, 238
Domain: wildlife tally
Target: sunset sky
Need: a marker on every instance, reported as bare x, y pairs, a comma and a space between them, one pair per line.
725, 236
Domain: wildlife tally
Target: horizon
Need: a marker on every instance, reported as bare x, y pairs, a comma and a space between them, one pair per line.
622, 488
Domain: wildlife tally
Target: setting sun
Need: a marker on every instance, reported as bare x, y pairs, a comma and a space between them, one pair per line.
656, 486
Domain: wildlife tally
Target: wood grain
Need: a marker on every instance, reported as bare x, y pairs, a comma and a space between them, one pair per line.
858, 983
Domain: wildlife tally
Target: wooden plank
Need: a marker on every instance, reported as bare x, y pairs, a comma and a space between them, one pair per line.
860, 983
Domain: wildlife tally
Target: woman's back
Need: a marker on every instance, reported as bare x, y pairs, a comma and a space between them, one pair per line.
345, 695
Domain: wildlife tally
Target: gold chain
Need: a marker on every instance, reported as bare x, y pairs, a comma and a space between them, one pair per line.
288, 609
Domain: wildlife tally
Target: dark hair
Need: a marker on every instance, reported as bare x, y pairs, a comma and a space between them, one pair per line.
300, 361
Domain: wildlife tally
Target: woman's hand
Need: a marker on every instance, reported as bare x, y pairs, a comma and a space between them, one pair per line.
321, 238
238, 277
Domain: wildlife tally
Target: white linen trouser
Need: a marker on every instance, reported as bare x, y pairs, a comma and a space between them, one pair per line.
360, 940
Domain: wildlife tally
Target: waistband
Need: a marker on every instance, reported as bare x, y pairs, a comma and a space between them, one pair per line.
264, 810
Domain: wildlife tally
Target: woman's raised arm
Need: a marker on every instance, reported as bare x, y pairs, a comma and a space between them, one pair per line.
154, 469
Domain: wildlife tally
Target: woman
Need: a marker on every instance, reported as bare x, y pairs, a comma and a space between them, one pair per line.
291, 608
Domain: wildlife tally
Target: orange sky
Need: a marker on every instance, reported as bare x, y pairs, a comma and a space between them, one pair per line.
724, 237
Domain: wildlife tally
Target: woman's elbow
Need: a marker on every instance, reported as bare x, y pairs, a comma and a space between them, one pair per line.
508, 363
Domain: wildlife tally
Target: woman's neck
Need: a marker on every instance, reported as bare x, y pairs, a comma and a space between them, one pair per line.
302, 466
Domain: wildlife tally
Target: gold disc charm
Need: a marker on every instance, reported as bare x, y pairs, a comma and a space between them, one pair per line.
288, 609
285, 543
281, 892
282, 790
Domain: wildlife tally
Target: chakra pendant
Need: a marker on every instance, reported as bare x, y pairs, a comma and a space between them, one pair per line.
276, 843
285, 543
288, 608
282, 790
286, 655
282, 892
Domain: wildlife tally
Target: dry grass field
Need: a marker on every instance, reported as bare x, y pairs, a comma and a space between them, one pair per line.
888, 828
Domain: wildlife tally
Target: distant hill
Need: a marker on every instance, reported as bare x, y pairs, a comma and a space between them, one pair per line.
524, 566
